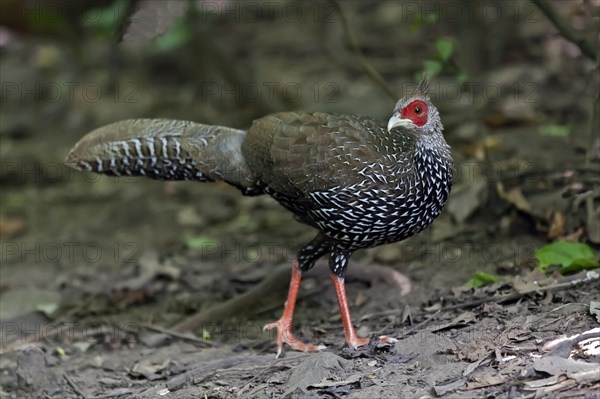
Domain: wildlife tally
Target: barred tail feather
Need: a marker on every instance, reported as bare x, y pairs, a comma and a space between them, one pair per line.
165, 150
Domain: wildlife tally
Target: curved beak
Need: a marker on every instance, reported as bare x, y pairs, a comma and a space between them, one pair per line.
396, 121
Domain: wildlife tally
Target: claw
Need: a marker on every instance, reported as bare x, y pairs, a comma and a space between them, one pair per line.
356, 342
384, 339
284, 335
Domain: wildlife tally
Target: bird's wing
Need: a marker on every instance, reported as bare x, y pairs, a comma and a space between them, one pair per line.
298, 153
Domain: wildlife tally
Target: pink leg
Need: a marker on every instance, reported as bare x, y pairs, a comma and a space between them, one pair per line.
284, 324
352, 339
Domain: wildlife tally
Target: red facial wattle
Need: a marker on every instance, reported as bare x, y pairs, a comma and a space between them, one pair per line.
416, 111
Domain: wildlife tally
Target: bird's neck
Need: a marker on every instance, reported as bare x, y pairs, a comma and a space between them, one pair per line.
434, 164
432, 146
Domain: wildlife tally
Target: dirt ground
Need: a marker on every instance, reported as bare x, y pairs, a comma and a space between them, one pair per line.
97, 271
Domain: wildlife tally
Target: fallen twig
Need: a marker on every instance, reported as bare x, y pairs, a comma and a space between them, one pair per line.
176, 334
423, 323
590, 277
238, 304
74, 386
273, 283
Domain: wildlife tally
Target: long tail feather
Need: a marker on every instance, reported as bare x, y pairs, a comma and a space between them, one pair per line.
165, 150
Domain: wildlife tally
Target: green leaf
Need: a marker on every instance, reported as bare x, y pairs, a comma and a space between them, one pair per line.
179, 34
432, 67
462, 77
554, 130
570, 256
47, 309
105, 20
481, 279
199, 242
206, 335
445, 48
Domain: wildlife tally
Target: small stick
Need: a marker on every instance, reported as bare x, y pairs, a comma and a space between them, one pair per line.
423, 323
517, 295
274, 283
176, 334
75, 387
238, 304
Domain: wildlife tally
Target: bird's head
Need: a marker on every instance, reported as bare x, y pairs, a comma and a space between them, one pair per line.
416, 113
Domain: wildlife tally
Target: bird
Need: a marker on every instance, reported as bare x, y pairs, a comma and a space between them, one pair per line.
359, 182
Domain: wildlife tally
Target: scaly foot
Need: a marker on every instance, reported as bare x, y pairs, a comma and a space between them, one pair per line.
284, 334
356, 342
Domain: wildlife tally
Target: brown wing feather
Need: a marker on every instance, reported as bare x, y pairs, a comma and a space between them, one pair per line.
297, 153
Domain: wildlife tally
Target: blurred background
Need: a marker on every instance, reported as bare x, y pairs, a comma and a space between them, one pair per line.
516, 83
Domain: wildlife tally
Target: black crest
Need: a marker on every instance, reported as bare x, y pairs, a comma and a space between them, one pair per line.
423, 87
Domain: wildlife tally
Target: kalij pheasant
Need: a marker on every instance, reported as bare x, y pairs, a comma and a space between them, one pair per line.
357, 181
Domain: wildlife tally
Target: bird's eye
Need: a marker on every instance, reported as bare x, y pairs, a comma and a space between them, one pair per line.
416, 111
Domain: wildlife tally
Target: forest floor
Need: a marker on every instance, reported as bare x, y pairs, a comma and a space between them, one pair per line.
96, 271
